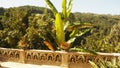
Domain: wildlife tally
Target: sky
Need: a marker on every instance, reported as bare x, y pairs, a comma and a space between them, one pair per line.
84, 6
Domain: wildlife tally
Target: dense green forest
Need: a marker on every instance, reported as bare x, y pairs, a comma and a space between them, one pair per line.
31, 25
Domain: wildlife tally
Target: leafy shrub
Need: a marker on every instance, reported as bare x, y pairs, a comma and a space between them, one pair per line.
113, 63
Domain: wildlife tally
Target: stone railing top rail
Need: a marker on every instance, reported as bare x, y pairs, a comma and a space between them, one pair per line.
11, 49
109, 54
99, 53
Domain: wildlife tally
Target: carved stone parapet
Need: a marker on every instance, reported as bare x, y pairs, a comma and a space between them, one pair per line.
59, 58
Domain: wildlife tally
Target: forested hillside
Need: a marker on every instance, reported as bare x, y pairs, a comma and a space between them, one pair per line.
104, 36
30, 25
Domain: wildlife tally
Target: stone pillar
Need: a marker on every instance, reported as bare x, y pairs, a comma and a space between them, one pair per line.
64, 63
22, 56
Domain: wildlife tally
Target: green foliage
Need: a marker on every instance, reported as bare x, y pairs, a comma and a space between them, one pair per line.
97, 38
113, 63
59, 29
2, 10
61, 25
39, 30
66, 10
69, 8
83, 50
52, 7
36, 25
103, 42
16, 24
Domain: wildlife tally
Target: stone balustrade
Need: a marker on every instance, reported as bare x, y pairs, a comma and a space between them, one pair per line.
59, 58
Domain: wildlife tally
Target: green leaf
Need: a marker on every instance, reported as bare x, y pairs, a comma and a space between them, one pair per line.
69, 8
59, 29
83, 50
74, 32
71, 40
80, 26
64, 10
66, 25
52, 7
93, 64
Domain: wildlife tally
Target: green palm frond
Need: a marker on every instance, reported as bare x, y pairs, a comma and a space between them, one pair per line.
52, 7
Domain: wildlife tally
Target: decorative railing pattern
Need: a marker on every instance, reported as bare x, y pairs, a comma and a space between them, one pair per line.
9, 54
61, 58
76, 60
43, 57
85, 57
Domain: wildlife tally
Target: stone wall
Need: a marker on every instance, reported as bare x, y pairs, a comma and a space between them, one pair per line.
58, 58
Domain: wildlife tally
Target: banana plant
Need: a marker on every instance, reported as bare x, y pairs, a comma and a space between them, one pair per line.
62, 24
